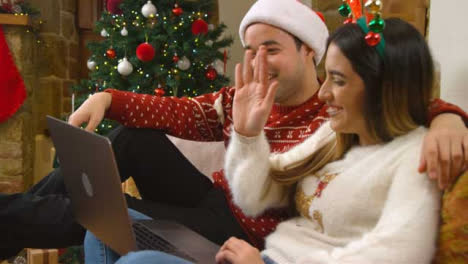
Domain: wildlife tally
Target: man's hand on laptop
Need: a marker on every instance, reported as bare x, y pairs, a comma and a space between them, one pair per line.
91, 111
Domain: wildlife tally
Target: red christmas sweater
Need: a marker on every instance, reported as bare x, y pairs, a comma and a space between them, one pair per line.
209, 118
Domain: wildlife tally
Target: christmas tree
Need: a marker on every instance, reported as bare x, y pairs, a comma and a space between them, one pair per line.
161, 48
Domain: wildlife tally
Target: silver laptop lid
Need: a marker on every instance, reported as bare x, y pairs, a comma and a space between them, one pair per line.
93, 182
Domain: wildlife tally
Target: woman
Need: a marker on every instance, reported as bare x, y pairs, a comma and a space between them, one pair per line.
354, 183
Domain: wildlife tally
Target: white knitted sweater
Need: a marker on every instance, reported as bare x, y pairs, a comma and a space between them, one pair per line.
370, 207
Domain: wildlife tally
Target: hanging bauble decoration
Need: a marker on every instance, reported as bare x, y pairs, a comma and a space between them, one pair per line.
104, 33
111, 53
344, 10
211, 27
113, 7
177, 11
211, 74
145, 52
91, 65
377, 25
199, 26
218, 65
184, 63
209, 43
372, 38
159, 91
175, 58
148, 10
124, 32
125, 67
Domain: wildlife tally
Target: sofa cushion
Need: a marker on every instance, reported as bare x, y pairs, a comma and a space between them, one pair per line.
453, 236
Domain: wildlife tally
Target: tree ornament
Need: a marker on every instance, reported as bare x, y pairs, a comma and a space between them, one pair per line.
111, 53
373, 6
199, 26
377, 25
148, 10
124, 32
159, 91
209, 43
125, 67
145, 52
211, 27
211, 74
104, 33
184, 63
177, 11
175, 59
113, 7
218, 65
344, 10
372, 38
91, 65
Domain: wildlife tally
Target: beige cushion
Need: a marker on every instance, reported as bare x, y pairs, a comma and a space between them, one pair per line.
207, 157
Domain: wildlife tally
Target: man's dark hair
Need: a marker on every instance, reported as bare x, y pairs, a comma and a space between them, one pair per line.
298, 42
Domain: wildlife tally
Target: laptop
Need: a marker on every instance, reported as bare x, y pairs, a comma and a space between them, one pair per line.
93, 183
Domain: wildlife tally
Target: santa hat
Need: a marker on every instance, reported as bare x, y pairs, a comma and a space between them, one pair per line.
291, 16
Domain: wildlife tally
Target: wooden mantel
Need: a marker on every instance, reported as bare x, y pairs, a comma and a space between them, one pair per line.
19, 20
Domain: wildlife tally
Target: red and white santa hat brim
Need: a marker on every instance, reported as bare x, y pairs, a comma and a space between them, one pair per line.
291, 16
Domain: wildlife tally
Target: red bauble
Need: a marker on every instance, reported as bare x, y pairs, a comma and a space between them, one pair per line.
113, 7
110, 53
211, 74
372, 38
145, 52
175, 58
177, 11
159, 92
199, 26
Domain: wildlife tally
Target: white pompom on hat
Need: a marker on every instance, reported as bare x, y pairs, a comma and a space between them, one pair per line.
293, 17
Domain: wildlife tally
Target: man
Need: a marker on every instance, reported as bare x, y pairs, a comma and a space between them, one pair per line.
171, 187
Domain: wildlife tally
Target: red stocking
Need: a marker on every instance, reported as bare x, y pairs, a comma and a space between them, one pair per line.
12, 90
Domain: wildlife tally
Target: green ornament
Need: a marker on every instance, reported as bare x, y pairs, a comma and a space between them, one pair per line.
344, 10
377, 25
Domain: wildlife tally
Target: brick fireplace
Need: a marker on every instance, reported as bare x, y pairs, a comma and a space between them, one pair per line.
48, 69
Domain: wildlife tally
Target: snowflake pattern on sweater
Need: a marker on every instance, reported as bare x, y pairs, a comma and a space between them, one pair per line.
209, 118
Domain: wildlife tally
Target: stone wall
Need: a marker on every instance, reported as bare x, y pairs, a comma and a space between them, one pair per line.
16, 133
57, 60
48, 69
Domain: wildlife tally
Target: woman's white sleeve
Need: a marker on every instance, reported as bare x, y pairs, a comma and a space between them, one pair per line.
247, 170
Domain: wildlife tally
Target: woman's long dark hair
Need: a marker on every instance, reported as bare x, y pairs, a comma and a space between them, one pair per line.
398, 87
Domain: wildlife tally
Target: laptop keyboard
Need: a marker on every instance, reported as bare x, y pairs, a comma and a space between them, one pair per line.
148, 240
